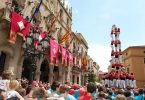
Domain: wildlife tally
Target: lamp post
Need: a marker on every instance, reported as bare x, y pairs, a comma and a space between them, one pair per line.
32, 52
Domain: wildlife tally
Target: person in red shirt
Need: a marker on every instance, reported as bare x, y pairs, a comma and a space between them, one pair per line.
90, 89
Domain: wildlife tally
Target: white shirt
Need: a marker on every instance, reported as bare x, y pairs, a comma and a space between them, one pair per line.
3, 84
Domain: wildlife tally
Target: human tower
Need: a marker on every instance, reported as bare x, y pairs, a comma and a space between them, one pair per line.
118, 76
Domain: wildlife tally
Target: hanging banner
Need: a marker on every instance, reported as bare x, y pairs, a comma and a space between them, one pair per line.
63, 55
53, 52
18, 25
70, 58
66, 58
84, 63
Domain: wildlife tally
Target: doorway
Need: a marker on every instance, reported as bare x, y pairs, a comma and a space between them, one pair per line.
26, 68
2, 61
56, 73
44, 77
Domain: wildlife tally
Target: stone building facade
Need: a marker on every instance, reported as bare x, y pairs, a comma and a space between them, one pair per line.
12, 55
134, 62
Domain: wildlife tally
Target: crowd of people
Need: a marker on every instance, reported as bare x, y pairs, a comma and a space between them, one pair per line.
21, 90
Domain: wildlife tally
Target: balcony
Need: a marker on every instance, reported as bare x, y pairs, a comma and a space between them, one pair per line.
5, 14
8, 7
76, 67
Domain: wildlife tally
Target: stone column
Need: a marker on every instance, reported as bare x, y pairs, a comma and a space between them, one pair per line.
68, 74
63, 74
38, 72
51, 74
20, 65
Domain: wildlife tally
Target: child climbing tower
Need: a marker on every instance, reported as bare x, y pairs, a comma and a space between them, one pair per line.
116, 54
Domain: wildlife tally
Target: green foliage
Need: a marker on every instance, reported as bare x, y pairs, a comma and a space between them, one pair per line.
91, 76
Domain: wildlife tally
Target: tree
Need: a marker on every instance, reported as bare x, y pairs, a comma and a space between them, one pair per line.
91, 75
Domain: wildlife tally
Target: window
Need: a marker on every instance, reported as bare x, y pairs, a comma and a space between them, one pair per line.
73, 79
74, 45
61, 14
67, 21
77, 80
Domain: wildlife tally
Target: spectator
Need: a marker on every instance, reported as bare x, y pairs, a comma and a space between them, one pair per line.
6, 76
3, 94
21, 91
39, 93
90, 89
128, 95
120, 97
101, 96
12, 93
110, 95
53, 91
63, 92
140, 96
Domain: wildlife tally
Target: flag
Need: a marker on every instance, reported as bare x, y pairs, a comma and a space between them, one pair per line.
36, 10
41, 36
53, 23
70, 42
63, 54
18, 25
53, 52
65, 37
26, 30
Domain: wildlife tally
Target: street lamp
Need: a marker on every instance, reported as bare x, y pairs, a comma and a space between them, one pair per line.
33, 53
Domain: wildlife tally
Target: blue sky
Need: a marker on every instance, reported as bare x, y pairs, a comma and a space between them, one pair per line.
94, 19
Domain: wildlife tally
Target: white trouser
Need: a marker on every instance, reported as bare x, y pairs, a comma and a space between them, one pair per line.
131, 83
122, 85
106, 82
114, 82
118, 83
110, 83
127, 82
134, 83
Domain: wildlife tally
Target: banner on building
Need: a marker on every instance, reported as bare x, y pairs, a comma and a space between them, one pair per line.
66, 58
84, 63
70, 58
18, 25
53, 52
63, 55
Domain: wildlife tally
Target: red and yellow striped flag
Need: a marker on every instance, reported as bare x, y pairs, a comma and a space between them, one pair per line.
65, 37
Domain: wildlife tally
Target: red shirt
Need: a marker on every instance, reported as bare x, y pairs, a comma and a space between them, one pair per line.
84, 98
